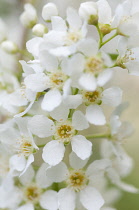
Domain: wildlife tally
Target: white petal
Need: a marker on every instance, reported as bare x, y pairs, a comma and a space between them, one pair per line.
104, 12
49, 10
104, 77
17, 163
73, 19
41, 178
115, 179
112, 96
53, 39
62, 51
37, 82
73, 65
33, 46
98, 166
17, 99
89, 47
28, 206
67, 88
22, 124
57, 173
41, 126
132, 67
91, 198
27, 177
58, 24
88, 82
48, 61
95, 115
79, 121
72, 101
76, 162
66, 199
81, 146
49, 200
115, 124
127, 187
122, 46
60, 113
51, 100
28, 163
53, 152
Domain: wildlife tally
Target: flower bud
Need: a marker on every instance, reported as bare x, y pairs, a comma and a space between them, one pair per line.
29, 17
9, 47
105, 29
88, 11
48, 11
39, 30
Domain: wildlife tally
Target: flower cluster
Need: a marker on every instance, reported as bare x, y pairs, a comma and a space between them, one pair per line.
49, 109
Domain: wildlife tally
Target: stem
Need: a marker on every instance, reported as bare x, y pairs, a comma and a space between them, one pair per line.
114, 65
97, 136
100, 35
42, 145
71, 113
103, 43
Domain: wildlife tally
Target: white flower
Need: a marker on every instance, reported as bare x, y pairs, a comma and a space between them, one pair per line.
94, 12
48, 11
94, 72
94, 113
63, 132
62, 39
29, 17
22, 144
34, 189
6, 200
79, 189
128, 57
125, 19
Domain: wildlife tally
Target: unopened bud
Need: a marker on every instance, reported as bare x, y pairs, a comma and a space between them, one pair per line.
9, 47
39, 30
48, 11
29, 17
88, 11
105, 29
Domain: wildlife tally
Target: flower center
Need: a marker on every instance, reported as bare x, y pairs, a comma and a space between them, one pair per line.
25, 147
73, 37
58, 79
77, 180
91, 97
32, 193
129, 56
94, 65
64, 132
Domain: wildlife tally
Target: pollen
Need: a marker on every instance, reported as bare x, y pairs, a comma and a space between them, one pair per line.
73, 37
32, 193
94, 65
129, 56
24, 146
77, 180
91, 97
64, 132
57, 79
